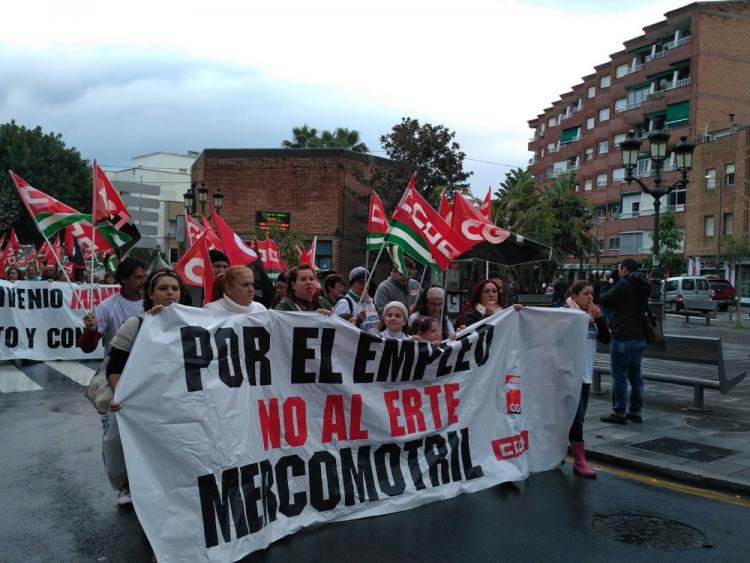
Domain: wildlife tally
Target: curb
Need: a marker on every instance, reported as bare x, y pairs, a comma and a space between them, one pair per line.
711, 480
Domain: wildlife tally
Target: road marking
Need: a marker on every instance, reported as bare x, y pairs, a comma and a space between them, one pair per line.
727, 498
74, 370
13, 380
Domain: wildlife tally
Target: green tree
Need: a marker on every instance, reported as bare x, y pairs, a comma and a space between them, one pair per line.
672, 260
735, 250
43, 160
306, 137
427, 150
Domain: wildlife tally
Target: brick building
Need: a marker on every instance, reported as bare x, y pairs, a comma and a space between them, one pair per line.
689, 71
322, 189
719, 199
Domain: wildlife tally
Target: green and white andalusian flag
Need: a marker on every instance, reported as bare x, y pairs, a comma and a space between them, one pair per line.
421, 233
50, 215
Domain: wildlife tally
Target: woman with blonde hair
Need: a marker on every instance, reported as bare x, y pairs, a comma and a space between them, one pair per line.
234, 292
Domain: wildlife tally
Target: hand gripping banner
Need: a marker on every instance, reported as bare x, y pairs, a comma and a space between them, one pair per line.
239, 430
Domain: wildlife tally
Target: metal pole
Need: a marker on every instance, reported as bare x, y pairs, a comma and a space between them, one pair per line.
718, 228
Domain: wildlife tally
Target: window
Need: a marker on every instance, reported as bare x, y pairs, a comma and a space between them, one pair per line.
589, 153
173, 255
702, 284
672, 285
605, 81
601, 180
599, 244
587, 185
637, 96
635, 208
589, 123
569, 135
614, 209
621, 105
728, 227
601, 212
324, 254
677, 198
614, 243
604, 114
708, 225
552, 121
618, 175
602, 147
688, 284
729, 175
711, 178
631, 243
617, 139
592, 91
621, 70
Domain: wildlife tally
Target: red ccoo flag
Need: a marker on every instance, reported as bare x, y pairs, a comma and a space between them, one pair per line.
213, 241
238, 252
195, 268
486, 209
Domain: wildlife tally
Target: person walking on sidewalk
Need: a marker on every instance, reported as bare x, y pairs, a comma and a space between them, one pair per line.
580, 296
627, 300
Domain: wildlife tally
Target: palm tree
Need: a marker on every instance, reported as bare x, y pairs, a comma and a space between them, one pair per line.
303, 138
341, 138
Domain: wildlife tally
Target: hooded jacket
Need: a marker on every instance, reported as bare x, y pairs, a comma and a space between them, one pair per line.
627, 300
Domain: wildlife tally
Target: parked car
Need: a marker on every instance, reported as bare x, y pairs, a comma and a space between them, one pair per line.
723, 294
689, 292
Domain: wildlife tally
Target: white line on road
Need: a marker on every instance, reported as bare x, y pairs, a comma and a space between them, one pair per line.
74, 370
13, 380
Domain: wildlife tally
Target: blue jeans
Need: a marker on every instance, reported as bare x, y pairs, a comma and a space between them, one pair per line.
625, 357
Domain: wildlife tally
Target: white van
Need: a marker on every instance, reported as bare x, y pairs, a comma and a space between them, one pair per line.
689, 292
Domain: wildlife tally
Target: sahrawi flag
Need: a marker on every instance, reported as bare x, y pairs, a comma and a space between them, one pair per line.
109, 207
422, 233
238, 252
377, 223
195, 268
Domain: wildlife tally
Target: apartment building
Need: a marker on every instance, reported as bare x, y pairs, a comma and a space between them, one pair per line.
688, 72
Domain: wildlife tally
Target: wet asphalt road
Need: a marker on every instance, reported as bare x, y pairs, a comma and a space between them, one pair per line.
56, 505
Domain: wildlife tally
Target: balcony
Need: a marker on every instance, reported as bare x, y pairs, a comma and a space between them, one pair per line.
550, 150
564, 143
656, 56
678, 43
679, 208
572, 110
635, 68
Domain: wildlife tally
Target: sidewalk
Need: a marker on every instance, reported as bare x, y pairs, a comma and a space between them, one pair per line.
702, 448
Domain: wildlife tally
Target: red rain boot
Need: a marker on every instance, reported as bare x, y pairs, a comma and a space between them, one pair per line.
579, 460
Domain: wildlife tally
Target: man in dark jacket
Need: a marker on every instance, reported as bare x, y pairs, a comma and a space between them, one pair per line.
627, 300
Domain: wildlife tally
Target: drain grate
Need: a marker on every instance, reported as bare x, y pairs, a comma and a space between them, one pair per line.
685, 449
650, 531
720, 424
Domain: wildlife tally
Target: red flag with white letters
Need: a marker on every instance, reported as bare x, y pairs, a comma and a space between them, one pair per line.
193, 229
238, 252
472, 226
195, 268
213, 241
486, 209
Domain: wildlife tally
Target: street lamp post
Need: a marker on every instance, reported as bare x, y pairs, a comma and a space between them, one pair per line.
189, 198
684, 159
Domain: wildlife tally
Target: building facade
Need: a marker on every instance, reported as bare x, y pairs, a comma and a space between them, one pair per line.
719, 200
688, 72
169, 173
322, 190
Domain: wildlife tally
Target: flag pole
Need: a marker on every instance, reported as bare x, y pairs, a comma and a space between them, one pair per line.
370, 274
93, 232
421, 283
445, 299
59, 264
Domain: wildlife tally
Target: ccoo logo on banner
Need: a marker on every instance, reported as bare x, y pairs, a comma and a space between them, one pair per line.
42, 320
239, 430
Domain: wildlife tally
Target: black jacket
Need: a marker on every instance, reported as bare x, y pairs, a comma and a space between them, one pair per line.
627, 300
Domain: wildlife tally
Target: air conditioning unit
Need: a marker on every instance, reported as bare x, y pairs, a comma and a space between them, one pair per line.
680, 207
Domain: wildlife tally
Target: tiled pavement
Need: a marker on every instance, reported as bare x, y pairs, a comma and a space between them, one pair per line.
705, 448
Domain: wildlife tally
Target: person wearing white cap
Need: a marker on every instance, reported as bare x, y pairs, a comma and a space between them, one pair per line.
394, 320
353, 308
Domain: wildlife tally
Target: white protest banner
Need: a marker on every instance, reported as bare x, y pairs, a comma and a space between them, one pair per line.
42, 320
241, 429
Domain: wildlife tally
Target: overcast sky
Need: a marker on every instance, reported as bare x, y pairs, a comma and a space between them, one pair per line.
119, 79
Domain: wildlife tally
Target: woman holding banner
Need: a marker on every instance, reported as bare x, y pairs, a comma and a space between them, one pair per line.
485, 300
302, 290
580, 296
162, 288
236, 290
